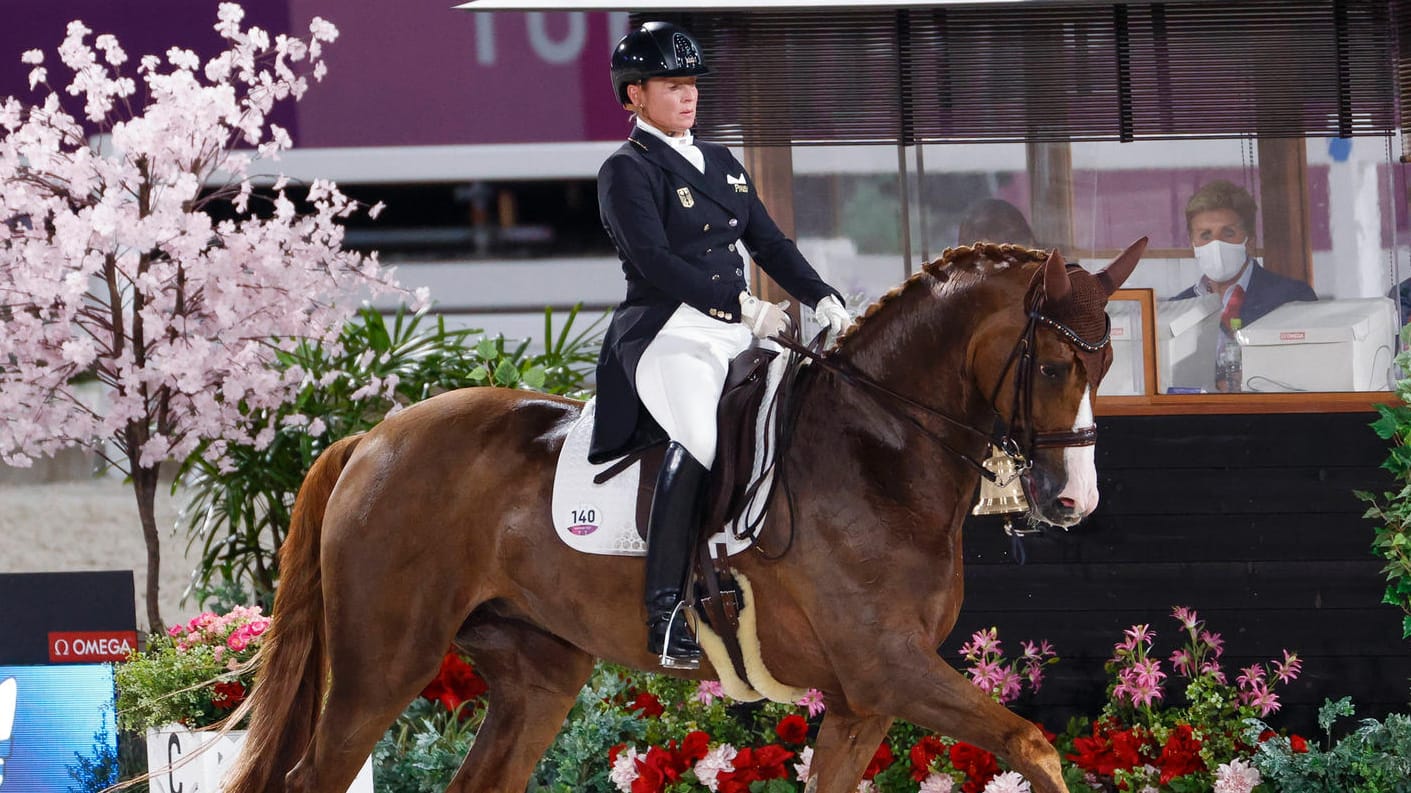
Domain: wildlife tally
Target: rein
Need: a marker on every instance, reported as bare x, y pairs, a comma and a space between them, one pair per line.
1004, 439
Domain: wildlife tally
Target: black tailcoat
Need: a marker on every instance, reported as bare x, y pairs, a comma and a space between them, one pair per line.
676, 230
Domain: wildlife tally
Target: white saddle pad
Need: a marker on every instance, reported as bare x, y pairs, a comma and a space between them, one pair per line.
602, 519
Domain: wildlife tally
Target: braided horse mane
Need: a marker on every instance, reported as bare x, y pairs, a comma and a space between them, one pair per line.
962, 265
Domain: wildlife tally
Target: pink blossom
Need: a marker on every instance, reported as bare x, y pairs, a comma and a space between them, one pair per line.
1186, 616
1237, 776
937, 783
1008, 782
1288, 669
804, 767
709, 691
719, 759
624, 770
1214, 641
982, 642
813, 701
128, 219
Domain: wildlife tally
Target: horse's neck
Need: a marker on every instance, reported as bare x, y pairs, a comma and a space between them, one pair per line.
889, 448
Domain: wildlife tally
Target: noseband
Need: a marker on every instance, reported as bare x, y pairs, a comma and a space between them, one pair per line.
1021, 444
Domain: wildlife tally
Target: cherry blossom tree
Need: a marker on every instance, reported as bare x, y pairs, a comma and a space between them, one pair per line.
112, 265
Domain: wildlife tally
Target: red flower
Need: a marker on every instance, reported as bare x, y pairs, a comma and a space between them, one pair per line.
923, 754
1048, 736
455, 683
666, 762
648, 704
1107, 752
792, 729
978, 765
881, 759
754, 765
769, 761
228, 694
1180, 755
1298, 744
649, 777
694, 747
614, 752
1266, 735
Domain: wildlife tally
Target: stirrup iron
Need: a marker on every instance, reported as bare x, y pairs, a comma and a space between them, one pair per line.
670, 662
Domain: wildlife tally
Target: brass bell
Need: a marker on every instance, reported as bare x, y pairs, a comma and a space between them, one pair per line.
1005, 495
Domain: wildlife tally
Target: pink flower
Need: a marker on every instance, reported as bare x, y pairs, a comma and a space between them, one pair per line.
983, 642
1214, 641
1186, 616
624, 770
1288, 670
813, 700
716, 761
804, 767
937, 783
1237, 776
709, 691
1008, 782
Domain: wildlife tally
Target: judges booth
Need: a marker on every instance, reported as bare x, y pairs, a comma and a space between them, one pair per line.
874, 132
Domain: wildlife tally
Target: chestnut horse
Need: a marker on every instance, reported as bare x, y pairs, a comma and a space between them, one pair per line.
434, 529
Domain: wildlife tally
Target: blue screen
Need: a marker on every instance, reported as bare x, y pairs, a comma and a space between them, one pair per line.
61, 714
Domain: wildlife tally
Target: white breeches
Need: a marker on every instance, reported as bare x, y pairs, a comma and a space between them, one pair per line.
682, 372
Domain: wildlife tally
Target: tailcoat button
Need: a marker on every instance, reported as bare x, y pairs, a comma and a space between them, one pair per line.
738, 271
732, 247
715, 277
706, 227
734, 222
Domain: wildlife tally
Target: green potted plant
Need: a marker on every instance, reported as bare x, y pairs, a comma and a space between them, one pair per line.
185, 683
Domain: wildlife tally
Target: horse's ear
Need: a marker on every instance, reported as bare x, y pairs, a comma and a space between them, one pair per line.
1113, 276
1056, 283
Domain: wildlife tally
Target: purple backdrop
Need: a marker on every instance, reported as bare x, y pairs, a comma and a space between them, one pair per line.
415, 72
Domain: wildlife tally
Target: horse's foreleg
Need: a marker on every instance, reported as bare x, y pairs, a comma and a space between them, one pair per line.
926, 691
534, 679
846, 744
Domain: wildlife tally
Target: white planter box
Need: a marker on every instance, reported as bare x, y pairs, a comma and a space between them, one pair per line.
168, 745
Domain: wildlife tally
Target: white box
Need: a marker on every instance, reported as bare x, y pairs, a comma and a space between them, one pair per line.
1126, 375
1187, 332
1330, 345
182, 761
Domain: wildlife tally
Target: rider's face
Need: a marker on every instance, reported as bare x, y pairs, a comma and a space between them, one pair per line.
667, 103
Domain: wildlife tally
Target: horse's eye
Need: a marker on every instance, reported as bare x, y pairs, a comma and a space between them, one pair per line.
1052, 371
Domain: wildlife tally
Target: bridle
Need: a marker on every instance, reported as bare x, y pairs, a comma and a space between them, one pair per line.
1013, 436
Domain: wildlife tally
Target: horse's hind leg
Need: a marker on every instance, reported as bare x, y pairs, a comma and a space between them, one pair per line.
365, 696
846, 744
534, 679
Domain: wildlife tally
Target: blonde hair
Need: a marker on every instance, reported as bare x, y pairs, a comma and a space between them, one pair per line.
1222, 194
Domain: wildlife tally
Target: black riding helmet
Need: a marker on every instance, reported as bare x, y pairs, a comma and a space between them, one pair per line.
656, 49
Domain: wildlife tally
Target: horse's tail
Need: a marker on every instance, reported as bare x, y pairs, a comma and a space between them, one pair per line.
288, 693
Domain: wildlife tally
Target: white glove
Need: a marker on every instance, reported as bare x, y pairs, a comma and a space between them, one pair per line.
764, 319
829, 313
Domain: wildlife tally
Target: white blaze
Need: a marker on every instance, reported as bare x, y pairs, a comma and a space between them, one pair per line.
1081, 484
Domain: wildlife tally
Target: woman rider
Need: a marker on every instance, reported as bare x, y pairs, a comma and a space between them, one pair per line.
678, 209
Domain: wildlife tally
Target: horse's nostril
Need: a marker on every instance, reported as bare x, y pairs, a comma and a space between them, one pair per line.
1067, 503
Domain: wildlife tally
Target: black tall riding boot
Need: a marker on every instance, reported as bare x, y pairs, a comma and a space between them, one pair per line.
671, 533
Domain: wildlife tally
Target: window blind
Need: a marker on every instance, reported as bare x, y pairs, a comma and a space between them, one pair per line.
1120, 71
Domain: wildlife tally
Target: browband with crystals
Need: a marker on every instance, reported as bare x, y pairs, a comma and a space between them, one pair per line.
1073, 338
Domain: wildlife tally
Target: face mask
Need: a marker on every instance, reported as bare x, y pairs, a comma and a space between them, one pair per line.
1220, 261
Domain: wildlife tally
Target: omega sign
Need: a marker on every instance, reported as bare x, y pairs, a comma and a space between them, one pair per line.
88, 647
